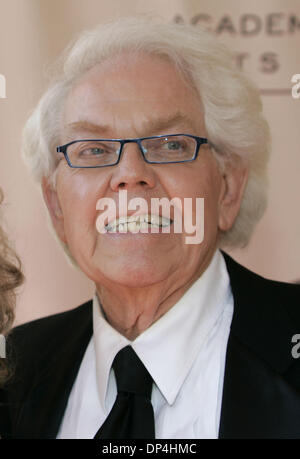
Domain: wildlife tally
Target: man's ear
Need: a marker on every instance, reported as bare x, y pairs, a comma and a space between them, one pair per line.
54, 208
234, 181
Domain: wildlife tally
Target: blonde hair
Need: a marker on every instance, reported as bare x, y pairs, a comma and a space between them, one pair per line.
10, 278
232, 106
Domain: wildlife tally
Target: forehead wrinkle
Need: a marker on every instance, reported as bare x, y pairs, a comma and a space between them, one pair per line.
160, 124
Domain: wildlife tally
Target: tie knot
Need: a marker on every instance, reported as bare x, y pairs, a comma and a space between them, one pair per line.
131, 374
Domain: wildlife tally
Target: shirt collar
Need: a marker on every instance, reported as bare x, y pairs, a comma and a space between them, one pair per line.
169, 347
108, 342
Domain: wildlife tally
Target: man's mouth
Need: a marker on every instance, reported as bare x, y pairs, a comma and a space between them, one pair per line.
137, 223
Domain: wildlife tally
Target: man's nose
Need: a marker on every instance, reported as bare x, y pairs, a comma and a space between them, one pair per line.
132, 170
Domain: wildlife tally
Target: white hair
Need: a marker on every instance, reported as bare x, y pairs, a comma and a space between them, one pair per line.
232, 106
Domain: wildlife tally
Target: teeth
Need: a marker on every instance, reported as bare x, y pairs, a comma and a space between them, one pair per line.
122, 227
144, 225
122, 220
136, 223
155, 219
132, 227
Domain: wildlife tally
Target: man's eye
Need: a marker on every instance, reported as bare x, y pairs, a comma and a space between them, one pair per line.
174, 145
92, 152
96, 150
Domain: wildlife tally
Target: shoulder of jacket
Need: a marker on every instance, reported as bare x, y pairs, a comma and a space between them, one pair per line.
32, 338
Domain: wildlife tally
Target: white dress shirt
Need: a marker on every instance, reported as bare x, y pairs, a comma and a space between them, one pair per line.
184, 352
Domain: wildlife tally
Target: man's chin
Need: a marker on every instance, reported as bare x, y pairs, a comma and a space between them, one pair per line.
134, 277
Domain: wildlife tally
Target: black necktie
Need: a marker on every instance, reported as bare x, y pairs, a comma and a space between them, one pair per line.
132, 413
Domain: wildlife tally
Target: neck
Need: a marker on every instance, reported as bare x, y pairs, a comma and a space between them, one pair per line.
132, 310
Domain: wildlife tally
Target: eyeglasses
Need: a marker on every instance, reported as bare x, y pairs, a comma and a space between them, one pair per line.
160, 149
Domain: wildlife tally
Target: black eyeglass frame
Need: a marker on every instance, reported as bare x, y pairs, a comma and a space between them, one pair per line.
199, 141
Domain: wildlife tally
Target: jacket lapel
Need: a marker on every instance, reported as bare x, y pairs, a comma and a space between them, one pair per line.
260, 400
43, 408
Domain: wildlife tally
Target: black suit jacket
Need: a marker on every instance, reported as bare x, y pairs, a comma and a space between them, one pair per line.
261, 394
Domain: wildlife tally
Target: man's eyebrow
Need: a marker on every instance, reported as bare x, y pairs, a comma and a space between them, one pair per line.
84, 125
149, 127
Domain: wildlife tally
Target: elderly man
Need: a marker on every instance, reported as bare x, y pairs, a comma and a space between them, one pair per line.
179, 341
